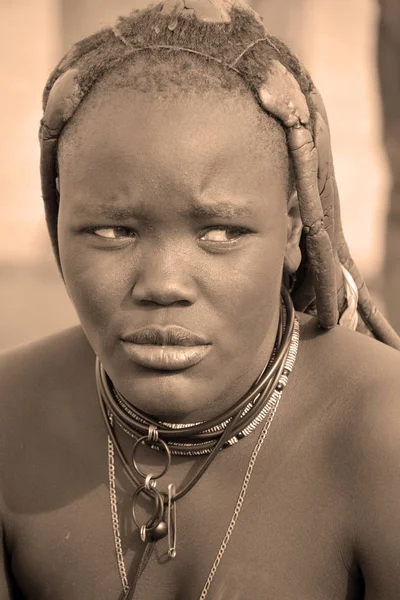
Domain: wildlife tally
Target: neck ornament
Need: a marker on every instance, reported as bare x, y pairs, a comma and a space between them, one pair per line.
206, 439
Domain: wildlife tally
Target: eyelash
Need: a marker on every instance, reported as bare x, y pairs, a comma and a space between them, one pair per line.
240, 231
93, 230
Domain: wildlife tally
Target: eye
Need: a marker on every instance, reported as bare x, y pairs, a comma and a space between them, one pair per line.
223, 234
113, 233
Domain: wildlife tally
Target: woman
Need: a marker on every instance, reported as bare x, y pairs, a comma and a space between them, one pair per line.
188, 182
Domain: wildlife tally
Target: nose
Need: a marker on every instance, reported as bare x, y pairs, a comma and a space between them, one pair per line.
164, 278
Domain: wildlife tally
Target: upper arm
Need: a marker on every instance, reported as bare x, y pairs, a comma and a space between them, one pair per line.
7, 591
377, 493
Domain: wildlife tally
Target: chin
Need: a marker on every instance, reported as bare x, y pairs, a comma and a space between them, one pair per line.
170, 396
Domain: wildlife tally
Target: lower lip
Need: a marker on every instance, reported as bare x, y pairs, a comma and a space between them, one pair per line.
166, 358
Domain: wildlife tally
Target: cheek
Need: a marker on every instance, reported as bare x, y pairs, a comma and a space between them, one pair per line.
97, 290
251, 291
236, 293
96, 283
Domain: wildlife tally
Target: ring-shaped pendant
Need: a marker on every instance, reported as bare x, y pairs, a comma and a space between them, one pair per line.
156, 519
157, 443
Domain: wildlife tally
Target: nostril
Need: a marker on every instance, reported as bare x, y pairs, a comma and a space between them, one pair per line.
158, 302
162, 295
153, 287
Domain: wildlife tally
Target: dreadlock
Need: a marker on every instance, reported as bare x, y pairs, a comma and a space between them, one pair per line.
219, 45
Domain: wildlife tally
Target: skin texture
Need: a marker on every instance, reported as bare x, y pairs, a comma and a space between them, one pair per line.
320, 520
152, 173
320, 517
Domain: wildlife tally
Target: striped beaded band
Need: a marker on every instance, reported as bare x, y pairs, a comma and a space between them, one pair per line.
201, 438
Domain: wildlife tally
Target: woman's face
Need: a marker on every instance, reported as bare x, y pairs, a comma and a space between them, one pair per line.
171, 215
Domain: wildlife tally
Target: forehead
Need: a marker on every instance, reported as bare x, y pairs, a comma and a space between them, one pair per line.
190, 143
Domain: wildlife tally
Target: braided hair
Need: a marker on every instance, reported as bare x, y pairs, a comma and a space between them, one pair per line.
223, 45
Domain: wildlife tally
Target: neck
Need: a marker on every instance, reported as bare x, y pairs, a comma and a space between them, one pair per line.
216, 434
237, 390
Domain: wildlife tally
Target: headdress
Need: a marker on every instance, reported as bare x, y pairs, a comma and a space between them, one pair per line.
328, 283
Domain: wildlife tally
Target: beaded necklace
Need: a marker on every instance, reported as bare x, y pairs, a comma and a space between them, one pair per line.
205, 438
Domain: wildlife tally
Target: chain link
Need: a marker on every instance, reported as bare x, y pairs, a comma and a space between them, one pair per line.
238, 506
274, 403
114, 517
246, 480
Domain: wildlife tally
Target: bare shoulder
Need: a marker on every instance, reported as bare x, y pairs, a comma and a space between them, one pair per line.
47, 363
45, 351
49, 422
354, 385
351, 365
41, 381
359, 390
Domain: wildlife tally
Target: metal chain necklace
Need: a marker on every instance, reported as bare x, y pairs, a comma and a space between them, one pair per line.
165, 503
201, 438
275, 398
114, 517
241, 419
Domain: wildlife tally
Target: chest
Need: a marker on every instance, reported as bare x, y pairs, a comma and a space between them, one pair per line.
288, 540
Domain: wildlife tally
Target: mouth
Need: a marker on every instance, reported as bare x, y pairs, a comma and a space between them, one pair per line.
170, 348
166, 358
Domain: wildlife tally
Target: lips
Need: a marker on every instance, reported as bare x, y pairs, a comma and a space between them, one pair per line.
168, 348
171, 335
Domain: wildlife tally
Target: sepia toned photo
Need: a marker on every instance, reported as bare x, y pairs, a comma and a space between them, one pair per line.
200, 273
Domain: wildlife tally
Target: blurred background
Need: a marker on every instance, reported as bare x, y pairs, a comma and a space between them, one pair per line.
352, 50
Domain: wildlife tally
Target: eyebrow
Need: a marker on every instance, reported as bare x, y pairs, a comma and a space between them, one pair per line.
121, 213
222, 210
112, 211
